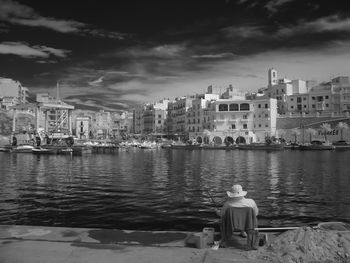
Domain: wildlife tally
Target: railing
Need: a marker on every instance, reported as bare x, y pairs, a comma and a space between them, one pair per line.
314, 114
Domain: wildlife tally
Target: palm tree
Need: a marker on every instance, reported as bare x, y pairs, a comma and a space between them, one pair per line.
295, 133
311, 132
341, 127
326, 127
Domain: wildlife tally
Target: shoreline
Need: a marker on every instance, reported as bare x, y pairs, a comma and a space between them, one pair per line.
20, 243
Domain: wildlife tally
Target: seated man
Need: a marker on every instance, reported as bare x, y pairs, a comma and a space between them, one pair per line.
241, 219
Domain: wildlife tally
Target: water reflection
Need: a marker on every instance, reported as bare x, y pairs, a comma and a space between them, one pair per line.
164, 189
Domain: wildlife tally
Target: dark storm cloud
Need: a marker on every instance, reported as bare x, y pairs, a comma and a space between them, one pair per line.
176, 48
19, 14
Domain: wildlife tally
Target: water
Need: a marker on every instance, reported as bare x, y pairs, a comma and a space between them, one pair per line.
172, 189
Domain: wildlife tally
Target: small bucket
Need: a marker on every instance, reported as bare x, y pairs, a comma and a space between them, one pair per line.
201, 240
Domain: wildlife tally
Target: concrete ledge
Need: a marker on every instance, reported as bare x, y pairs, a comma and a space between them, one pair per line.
58, 244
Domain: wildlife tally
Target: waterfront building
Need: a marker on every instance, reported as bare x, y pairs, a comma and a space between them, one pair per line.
138, 119
177, 114
121, 124
198, 116
151, 117
12, 93
101, 124
264, 119
281, 89
232, 121
82, 130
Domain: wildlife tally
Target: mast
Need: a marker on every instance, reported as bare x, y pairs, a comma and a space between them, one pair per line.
57, 91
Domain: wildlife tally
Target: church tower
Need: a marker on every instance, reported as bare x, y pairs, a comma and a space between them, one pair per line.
272, 77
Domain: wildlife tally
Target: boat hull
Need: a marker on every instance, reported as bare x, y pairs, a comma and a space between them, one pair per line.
258, 146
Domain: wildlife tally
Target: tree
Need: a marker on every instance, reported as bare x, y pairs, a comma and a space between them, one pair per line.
326, 127
341, 126
311, 132
295, 133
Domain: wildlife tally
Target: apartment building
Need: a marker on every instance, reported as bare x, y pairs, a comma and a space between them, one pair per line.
177, 114
264, 119
12, 93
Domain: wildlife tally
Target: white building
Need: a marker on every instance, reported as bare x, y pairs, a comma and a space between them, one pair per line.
264, 119
12, 93
82, 130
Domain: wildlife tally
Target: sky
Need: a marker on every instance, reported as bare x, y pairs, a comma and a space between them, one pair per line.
114, 55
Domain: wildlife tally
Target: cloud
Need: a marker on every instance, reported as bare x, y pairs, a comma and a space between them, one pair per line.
161, 51
22, 49
215, 56
323, 24
19, 14
245, 31
273, 5
96, 82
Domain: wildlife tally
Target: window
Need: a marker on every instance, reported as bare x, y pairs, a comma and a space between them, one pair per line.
326, 97
282, 90
244, 107
159, 121
313, 98
266, 125
292, 107
304, 106
291, 99
234, 107
223, 107
304, 98
266, 115
159, 116
266, 106
259, 106
259, 125
233, 126
245, 126
299, 100
245, 117
313, 106
326, 105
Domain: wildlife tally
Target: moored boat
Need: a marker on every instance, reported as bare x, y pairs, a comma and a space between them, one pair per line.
41, 150
261, 146
317, 146
22, 149
185, 146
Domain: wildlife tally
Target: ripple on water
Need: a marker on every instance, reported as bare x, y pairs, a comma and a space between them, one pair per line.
175, 190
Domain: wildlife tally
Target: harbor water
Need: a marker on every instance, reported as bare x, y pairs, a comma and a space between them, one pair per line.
164, 189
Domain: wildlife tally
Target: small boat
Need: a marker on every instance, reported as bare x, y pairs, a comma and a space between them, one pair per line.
261, 146
148, 145
218, 147
23, 149
291, 146
317, 146
341, 145
65, 151
185, 146
44, 151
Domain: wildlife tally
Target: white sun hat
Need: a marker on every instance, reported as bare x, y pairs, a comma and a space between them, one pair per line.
236, 191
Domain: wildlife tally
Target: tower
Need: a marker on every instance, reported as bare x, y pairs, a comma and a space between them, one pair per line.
272, 77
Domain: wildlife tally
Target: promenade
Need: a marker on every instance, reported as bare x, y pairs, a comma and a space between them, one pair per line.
57, 244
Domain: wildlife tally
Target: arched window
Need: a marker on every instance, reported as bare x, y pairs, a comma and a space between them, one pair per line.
244, 107
223, 107
234, 107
